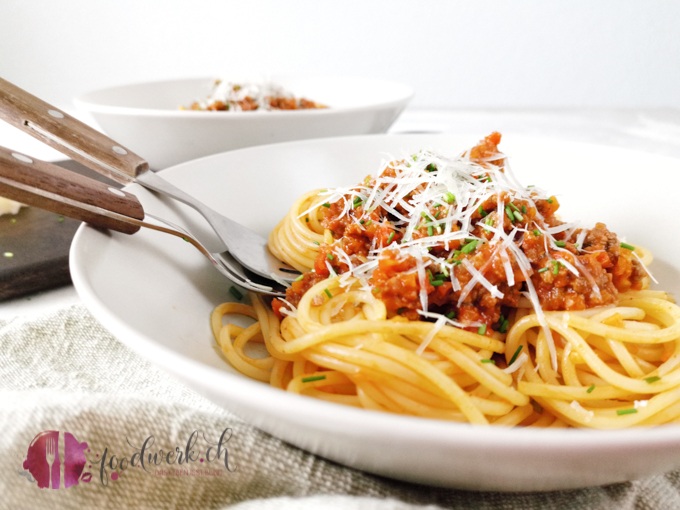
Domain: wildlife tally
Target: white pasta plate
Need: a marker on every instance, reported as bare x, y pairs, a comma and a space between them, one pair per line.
146, 117
155, 294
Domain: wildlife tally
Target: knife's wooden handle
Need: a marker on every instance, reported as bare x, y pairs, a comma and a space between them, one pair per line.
47, 186
68, 135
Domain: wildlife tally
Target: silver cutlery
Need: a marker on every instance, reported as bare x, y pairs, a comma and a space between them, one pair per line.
246, 248
47, 186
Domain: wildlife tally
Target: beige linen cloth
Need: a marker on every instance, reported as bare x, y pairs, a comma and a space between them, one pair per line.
64, 372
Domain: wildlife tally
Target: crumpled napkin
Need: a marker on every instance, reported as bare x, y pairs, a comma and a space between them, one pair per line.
62, 375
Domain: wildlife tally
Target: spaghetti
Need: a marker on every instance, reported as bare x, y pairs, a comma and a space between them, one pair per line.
441, 288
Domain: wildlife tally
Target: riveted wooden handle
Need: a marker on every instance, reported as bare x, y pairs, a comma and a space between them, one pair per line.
68, 135
50, 187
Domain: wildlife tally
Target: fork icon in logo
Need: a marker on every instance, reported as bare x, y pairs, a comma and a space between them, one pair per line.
56, 460
49, 457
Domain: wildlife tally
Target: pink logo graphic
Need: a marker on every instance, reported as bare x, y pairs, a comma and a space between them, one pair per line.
56, 460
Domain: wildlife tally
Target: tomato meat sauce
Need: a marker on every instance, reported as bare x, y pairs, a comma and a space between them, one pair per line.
468, 278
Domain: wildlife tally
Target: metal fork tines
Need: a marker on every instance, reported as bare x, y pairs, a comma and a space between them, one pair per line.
100, 153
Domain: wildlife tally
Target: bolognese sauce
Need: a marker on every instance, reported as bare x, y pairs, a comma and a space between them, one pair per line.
461, 239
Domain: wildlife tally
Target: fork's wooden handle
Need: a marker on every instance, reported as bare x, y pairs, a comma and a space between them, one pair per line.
47, 186
68, 135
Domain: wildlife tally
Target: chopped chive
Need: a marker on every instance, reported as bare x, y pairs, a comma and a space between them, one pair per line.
236, 293
652, 379
482, 329
513, 207
481, 211
537, 232
313, 378
509, 213
326, 204
556, 267
470, 247
627, 246
328, 293
560, 244
431, 167
487, 360
317, 243
590, 388
430, 230
330, 256
524, 209
504, 326
299, 278
516, 354
451, 315
357, 201
550, 200
391, 237
621, 412
449, 197
436, 283
518, 216
543, 269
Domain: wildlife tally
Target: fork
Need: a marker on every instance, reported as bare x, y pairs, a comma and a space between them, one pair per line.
50, 451
47, 186
107, 157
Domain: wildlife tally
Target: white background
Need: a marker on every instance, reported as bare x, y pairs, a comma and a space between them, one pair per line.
456, 54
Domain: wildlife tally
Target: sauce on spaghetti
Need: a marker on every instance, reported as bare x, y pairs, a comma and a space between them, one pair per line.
460, 238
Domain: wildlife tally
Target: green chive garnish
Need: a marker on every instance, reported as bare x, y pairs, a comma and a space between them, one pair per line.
326, 204
509, 213
518, 216
236, 293
627, 246
313, 378
330, 256
621, 412
487, 360
431, 167
590, 388
556, 267
652, 379
505, 323
543, 269
328, 293
470, 247
449, 197
430, 230
514, 356
537, 232
482, 329
560, 244
390, 238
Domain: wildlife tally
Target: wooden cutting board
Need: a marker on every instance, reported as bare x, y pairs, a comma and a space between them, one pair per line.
34, 247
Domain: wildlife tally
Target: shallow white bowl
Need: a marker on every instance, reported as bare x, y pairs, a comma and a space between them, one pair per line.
155, 294
146, 117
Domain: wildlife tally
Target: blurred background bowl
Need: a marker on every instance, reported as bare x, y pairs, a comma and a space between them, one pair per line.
146, 117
